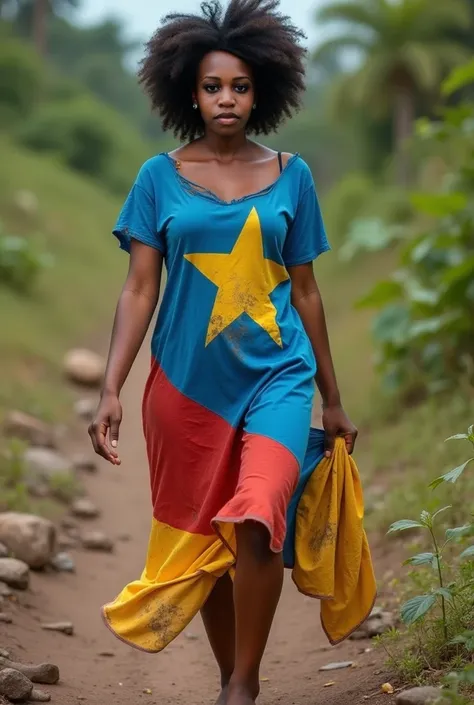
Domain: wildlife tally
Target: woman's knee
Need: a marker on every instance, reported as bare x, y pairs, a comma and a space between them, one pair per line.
253, 539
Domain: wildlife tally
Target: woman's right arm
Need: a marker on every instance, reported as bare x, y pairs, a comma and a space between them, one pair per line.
134, 312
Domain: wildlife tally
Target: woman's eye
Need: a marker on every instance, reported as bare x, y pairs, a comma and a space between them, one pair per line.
211, 88
242, 88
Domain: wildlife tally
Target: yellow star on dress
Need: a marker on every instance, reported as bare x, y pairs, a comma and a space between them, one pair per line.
244, 279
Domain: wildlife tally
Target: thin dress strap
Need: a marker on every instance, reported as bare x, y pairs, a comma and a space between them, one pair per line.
280, 162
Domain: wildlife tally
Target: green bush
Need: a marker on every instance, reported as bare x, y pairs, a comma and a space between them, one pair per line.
21, 80
21, 261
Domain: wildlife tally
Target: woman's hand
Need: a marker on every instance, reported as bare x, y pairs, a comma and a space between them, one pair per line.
107, 421
337, 423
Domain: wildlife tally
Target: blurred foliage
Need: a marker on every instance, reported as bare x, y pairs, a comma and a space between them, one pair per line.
21, 80
423, 330
21, 261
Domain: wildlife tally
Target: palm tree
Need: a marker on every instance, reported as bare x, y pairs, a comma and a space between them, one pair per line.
404, 51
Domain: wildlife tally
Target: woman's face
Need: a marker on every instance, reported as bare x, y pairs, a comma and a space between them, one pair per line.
225, 93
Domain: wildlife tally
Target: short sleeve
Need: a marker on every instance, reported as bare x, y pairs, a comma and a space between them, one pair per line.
306, 238
138, 217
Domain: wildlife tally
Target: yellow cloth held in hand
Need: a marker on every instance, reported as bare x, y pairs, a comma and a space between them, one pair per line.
332, 563
332, 555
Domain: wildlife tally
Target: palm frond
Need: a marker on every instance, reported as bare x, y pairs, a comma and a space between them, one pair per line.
335, 45
366, 14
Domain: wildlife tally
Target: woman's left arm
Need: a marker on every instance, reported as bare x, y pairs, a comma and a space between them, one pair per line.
306, 299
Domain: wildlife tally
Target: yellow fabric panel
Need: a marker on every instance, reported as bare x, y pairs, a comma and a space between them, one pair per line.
333, 559
180, 572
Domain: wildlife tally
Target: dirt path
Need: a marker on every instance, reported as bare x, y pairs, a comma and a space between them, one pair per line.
98, 669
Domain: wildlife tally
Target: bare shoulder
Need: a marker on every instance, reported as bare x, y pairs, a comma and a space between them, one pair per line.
187, 152
263, 153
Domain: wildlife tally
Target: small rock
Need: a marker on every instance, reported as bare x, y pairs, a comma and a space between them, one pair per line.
84, 367
107, 654
63, 563
14, 685
84, 462
28, 428
4, 553
5, 591
84, 508
97, 541
43, 464
4, 653
62, 627
46, 673
67, 542
376, 624
86, 408
14, 573
30, 538
69, 523
5, 618
124, 538
190, 637
426, 695
39, 696
337, 666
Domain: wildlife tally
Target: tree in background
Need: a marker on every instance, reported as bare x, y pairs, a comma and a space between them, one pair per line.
31, 17
406, 47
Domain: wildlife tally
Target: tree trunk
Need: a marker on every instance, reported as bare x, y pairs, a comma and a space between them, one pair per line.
403, 119
40, 17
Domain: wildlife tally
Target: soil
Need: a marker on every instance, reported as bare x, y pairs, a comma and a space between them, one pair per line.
96, 668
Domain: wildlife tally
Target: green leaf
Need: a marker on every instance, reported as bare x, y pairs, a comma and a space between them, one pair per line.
444, 592
460, 77
421, 559
383, 293
416, 608
439, 205
459, 532
451, 476
468, 553
404, 525
457, 437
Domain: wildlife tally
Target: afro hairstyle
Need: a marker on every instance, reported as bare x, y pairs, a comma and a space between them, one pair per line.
252, 30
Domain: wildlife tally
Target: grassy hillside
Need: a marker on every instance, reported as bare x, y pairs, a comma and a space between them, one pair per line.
73, 221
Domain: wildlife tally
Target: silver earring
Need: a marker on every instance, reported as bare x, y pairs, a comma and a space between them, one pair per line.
195, 106
254, 106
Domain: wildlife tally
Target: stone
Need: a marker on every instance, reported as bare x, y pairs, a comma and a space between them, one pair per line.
14, 573
84, 462
63, 563
67, 542
84, 508
97, 541
30, 429
14, 685
39, 696
5, 618
379, 622
46, 673
4, 653
425, 695
84, 367
69, 523
86, 408
43, 464
62, 627
337, 666
5, 590
29, 538
4, 553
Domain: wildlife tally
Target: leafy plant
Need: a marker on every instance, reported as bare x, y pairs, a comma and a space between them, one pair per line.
21, 261
13, 488
423, 330
452, 590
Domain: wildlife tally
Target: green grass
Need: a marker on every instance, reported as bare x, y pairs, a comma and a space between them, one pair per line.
73, 297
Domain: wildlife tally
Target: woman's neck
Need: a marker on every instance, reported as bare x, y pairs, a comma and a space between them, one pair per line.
225, 148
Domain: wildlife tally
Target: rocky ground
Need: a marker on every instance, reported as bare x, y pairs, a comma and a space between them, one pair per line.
54, 577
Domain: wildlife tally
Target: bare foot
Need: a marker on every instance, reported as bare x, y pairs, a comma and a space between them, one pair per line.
239, 695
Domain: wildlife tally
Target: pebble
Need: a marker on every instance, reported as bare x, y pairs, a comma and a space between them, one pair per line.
66, 542
4, 653
63, 627
337, 666
378, 622
5, 618
46, 673
3, 551
30, 429
14, 573
97, 541
39, 696
30, 538
84, 508
86, 408
84, 462
84, 367
14, 685
425, 695
5, 590
63, 563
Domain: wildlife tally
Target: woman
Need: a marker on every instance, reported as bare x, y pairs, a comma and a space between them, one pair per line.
227, 405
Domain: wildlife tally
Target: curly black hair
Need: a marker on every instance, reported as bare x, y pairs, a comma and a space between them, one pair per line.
252, 30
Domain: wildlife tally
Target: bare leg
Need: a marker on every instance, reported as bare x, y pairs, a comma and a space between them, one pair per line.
257, 588
218, 617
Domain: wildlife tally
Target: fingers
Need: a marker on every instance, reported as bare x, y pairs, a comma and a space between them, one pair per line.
114, 431
350, 439
329, 441
98, 433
